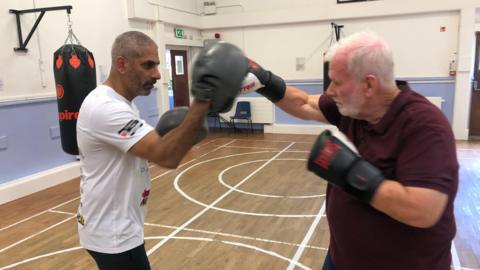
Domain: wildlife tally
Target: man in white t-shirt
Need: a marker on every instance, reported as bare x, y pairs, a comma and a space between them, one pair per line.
115, 144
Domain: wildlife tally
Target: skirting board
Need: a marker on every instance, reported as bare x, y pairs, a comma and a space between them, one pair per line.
24, 186
297, 129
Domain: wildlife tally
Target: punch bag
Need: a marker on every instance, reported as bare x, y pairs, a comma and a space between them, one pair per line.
75, 77
326, 79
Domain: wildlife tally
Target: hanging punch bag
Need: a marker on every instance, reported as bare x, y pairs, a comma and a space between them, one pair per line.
75, 77
326, 79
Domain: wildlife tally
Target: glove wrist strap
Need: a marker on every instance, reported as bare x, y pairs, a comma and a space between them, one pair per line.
275, 89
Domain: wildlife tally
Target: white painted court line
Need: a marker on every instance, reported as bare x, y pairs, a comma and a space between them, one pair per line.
161, 243
38, 214
181, 238
62, 212
190, 161
252, 147
220, 179
235, 236
295, 263
257, 249
161, 237
205, 143
184, 194
307, 237
33, 235
40, 257
51, 210
275, 141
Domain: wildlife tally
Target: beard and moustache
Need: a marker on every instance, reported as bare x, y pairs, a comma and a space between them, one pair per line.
354, 104
146, 88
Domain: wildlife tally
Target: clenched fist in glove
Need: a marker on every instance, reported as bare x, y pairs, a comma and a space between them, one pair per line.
171, 119
335, 162
217, 75
264, 82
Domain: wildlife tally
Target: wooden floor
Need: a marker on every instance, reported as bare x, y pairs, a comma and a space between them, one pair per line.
239, 201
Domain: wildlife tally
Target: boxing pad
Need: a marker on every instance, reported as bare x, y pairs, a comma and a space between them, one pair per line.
172, 119
264, 82
217, 75
335, 162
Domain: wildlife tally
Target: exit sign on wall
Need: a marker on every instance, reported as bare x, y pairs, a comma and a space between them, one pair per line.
179, 33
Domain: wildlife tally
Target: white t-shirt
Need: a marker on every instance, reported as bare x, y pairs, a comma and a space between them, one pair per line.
114, 185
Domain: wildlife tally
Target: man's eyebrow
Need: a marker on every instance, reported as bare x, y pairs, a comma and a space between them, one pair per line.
151, 63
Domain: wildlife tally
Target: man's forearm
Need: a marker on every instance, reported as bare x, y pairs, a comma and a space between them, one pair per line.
418, 207
301, 105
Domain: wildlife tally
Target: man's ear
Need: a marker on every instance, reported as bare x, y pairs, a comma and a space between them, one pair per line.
372, 85
121, 64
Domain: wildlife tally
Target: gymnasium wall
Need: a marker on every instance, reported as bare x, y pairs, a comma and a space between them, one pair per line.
423, 46
276, 33
29, 128
420, 48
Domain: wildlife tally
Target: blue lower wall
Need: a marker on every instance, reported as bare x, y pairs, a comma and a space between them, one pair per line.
30, 137
29, 130
430, 87
147, 105
437, 87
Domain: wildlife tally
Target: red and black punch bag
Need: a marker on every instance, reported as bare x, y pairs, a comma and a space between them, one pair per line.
326, 79
75, 77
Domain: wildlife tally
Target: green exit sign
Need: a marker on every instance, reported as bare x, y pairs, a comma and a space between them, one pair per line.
180, 33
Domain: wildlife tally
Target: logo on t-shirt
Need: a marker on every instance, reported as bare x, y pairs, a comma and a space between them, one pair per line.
145, 194
130, 128
80, 219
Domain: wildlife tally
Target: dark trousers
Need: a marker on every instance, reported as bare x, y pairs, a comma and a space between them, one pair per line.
328, 264
133, 259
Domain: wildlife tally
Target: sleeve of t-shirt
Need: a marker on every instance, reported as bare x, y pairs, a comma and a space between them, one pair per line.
329, 110
427, 159
117, 124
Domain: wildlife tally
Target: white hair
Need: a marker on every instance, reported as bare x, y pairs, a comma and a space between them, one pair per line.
367, 54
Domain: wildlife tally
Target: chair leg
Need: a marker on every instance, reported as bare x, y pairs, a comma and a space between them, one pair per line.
232, 122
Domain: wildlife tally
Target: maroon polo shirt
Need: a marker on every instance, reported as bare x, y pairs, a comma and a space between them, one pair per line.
413, 144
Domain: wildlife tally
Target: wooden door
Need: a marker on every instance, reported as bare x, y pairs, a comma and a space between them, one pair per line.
178, 60
474, 127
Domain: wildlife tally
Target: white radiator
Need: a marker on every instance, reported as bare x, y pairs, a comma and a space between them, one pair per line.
437, 101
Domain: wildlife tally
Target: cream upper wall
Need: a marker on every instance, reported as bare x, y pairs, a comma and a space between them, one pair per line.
235, 6
181, 5
267, 12
420, 49
275, 32
95, 23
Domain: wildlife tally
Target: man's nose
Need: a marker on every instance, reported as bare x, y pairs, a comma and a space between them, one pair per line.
156, 74
329, 91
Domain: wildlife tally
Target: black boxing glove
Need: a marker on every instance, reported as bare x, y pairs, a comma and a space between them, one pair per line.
264, 82
217, 75
173, 118
335, 162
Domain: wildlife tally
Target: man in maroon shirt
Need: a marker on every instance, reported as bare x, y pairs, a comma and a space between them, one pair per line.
404, 219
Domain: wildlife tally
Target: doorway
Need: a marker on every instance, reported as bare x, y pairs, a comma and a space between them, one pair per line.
474, 126
178, 87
